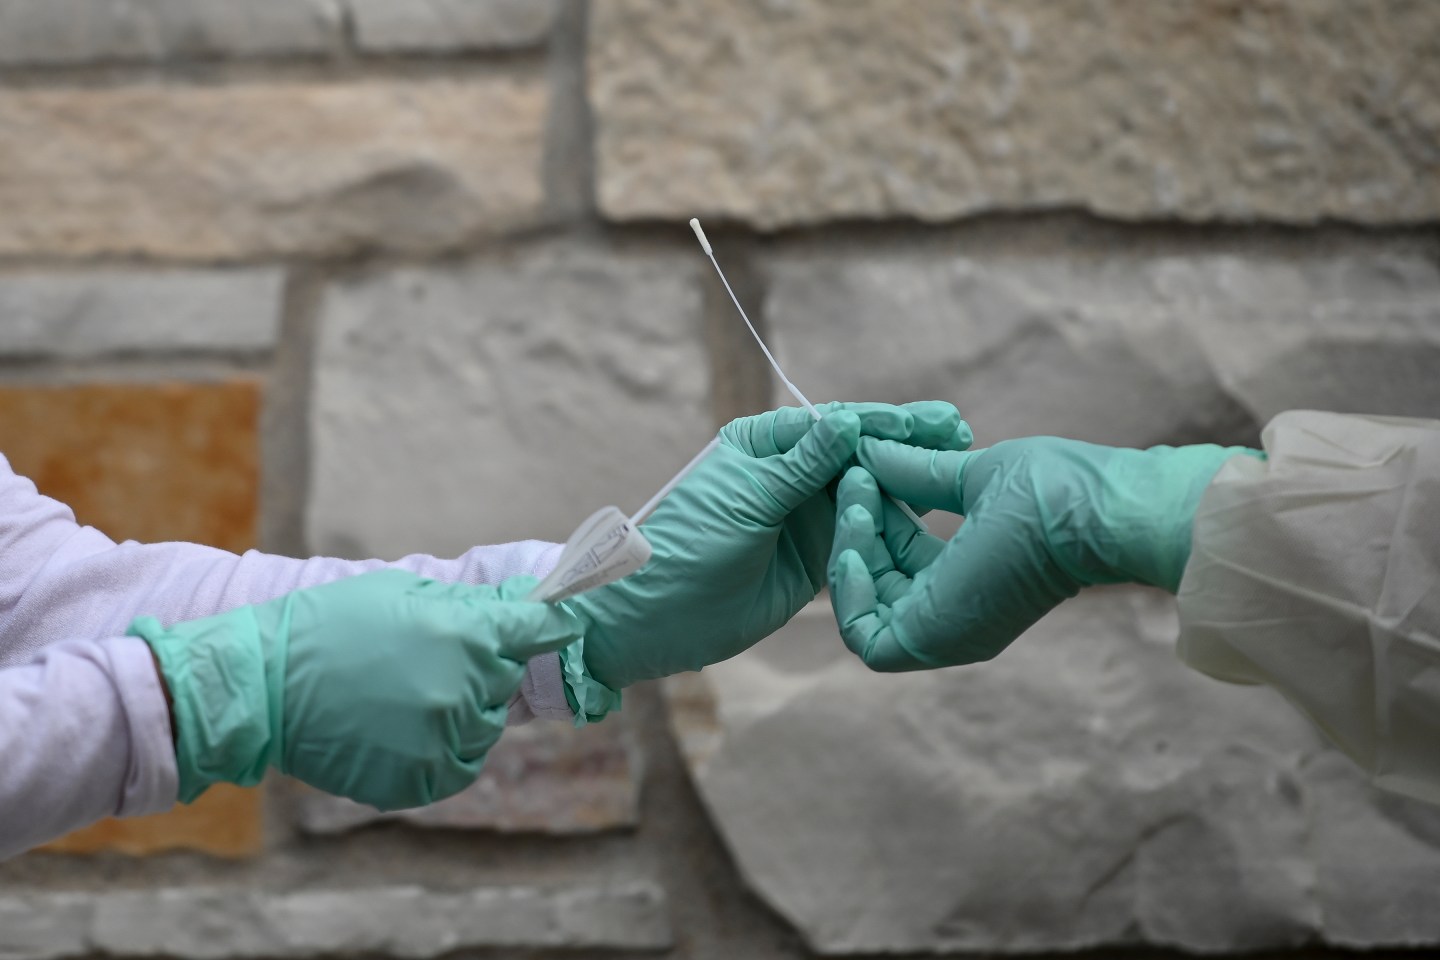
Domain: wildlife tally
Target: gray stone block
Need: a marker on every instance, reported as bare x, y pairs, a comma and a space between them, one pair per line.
502, 399
36, 32
247, 170
1116, 348
442, 26
97, 312
1083, 790
780, 114
540, 778
404, 922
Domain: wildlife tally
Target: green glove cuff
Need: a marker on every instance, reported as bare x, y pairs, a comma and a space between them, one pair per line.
227, 704
590, 699
1177, 478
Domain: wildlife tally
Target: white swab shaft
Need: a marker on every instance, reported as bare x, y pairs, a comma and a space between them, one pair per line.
794, 390
775, 364
654, 501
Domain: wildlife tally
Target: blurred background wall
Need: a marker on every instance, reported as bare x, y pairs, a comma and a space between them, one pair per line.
367, 277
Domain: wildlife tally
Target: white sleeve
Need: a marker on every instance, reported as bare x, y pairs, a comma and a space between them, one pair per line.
85, 734
1317, 571
62, 581
84, 729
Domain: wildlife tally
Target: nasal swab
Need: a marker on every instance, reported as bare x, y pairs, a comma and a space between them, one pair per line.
607, 546
654, 501
794, 390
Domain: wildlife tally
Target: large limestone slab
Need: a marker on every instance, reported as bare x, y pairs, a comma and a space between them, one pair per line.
540, 778
97, 312
502, 399
217, 923
1114, 347
779, 114
1083, 790
443, 26
205, 172
34, 32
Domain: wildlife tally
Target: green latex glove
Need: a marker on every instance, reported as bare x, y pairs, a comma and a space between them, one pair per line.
386, 688
739, 546
1044, 517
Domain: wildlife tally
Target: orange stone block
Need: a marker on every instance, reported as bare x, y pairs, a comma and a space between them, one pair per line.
150, 462
175, 461
225, 822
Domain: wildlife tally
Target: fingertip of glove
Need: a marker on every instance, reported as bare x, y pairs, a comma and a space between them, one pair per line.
842, 424
881, 420
856, 515
839, 574
544, 630
962, 438
857, 480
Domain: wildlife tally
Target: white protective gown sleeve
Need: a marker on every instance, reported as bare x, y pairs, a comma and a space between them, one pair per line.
1317, 571
84, 729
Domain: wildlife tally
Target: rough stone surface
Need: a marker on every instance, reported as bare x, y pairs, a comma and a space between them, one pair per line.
269, 168
1121, 348
226, 822
1082, 790
450, 25
409, 922
799, 112
36, 32
540, 778
502, 399
147, 462
91, 313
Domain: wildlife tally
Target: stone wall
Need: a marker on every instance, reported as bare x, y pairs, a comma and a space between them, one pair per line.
367, 277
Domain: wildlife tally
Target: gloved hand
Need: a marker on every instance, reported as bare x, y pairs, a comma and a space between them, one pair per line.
386, 688
739, 546
1044, 517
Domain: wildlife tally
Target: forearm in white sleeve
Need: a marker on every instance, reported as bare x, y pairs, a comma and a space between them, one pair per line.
84, 729
59, 580
1317, 571
85, 734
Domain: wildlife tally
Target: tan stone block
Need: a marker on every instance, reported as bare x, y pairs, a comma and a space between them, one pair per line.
540, 778
779, 114
226, 822
175, 461
150, 462
268, 168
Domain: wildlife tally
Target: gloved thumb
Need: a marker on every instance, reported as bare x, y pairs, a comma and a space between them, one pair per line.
528, 628
926, 478
817, 459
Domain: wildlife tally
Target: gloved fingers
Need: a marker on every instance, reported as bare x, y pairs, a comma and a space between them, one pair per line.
862, 619
778, 431
855, 533
938, 426
531, 628
819, 457
876, 419
858, 503
990, 583
520, 628
474, 735
928, 478
493, 673
910, 548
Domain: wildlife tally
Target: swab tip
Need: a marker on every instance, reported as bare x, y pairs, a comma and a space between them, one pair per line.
700, 235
